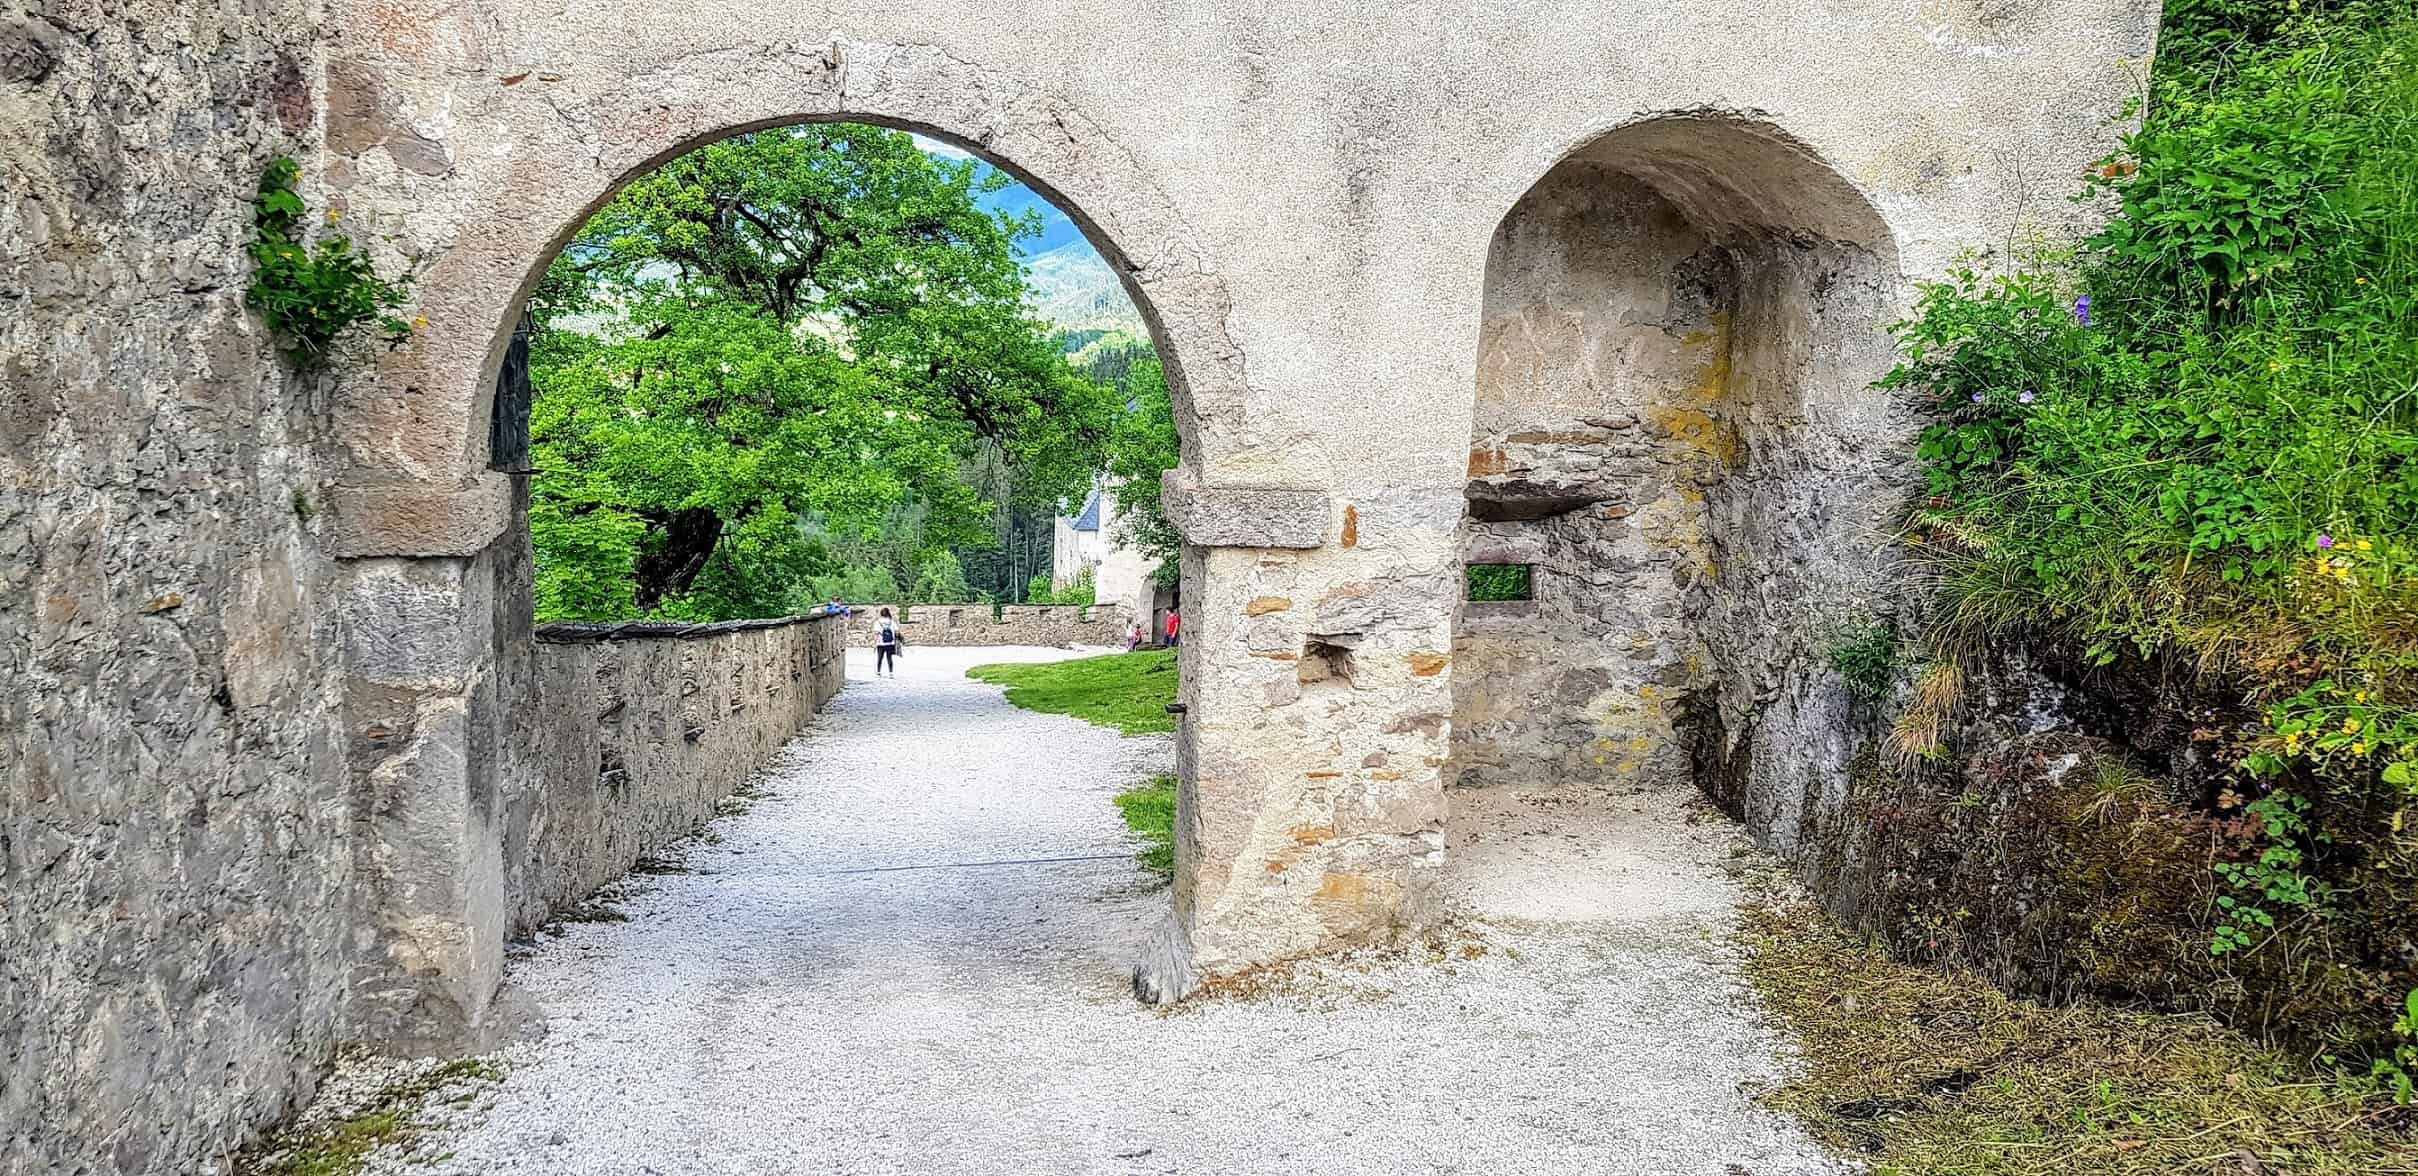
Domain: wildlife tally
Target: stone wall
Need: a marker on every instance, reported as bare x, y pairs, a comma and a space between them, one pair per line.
174, 831
269, 724
645, 729
1677, 430
1307, 243
1015, 624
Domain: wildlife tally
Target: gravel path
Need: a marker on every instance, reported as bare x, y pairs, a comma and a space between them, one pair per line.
835, 989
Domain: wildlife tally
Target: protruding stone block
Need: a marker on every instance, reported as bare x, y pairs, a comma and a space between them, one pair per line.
418, 519
1244, 516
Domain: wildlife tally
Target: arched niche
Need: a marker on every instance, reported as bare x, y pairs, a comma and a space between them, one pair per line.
1672, 428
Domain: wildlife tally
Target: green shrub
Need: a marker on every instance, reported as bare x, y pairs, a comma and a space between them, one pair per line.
2194, 440
940, 579
1498, 582
853, 584
1082, 590
311, 295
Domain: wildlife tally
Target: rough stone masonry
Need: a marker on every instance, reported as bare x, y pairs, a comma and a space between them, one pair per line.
1595, 289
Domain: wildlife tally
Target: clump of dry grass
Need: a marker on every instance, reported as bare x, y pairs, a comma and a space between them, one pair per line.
1922, 1073
1921, 728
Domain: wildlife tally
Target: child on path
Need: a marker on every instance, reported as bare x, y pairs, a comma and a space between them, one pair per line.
885, 645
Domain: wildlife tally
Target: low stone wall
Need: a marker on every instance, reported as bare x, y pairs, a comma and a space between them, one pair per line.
1016, 624
644, 729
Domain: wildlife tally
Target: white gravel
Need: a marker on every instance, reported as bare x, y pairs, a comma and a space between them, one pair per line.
802, 1003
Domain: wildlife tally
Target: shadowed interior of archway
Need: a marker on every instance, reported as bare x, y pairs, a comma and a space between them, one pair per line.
1676, 335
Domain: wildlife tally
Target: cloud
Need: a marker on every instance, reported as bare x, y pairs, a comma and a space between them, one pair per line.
931, 146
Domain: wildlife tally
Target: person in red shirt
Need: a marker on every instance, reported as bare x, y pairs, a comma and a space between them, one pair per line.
1171, 627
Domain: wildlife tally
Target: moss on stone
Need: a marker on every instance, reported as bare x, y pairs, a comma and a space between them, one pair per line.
384, 1120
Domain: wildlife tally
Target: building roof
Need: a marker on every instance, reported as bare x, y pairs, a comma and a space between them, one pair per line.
1088, 519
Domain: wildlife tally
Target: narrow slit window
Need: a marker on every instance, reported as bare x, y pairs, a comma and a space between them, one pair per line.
1502, 581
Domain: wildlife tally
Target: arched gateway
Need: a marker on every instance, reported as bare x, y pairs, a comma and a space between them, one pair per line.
437, 611
1324, 548
267, 632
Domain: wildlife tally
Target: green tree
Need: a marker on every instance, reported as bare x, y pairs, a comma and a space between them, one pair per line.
834, 287
682, 456
1141, 446
938, 579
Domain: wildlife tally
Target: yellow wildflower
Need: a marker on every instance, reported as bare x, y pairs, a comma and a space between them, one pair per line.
334, 215
2359, 749
2364, 545
2350, 726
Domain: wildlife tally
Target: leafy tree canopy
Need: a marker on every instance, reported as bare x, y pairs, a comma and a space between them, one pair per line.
804, 331
1141, 446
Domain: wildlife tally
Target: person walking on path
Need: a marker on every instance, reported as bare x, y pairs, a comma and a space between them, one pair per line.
1133, 636
885, 645
1171, 628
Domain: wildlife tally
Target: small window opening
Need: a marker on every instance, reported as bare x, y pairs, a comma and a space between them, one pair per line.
1502, 581
1323, 664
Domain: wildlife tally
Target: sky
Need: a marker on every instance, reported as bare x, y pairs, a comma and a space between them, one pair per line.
1056, 228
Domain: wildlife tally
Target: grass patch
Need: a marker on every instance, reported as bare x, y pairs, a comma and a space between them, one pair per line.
1920, 1073
1127, 691
1149, 810
340, 1147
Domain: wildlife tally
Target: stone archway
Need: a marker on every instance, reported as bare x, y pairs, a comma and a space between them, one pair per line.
1676, 449
435, 599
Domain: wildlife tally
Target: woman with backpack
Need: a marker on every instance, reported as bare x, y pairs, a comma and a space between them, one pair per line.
885, 645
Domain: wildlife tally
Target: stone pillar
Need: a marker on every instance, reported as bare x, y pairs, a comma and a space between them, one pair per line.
1317, 635
423, 621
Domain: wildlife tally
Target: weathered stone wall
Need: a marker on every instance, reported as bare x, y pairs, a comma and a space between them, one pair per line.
214, 867
1677, 428
1603, 353
1015, 624
174, 833
1307, 239
645, 728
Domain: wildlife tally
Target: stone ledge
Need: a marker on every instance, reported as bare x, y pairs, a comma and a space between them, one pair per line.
415, 519
588, 632
1244, 516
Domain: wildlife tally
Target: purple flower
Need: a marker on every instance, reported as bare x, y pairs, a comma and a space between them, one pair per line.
2325, 541
2082, 310
2026, 398
1977, 398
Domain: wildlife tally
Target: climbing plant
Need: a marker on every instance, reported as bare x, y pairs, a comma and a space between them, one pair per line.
310, 295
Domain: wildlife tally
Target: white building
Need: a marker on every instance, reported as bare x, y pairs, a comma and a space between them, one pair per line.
1121, 575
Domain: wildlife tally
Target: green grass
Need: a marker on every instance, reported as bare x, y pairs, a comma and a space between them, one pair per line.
1149, 810
343, 1147
1127, 691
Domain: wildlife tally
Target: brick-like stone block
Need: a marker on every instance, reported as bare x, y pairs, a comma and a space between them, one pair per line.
1245, 516
419, 520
